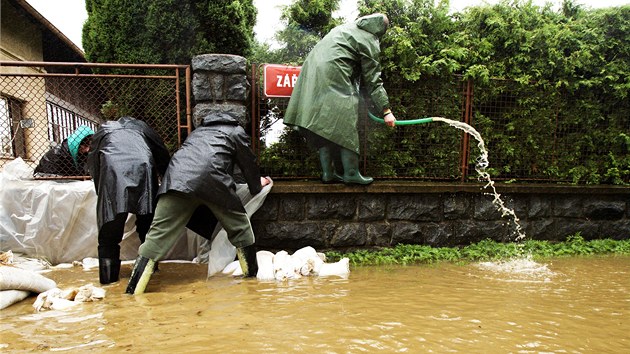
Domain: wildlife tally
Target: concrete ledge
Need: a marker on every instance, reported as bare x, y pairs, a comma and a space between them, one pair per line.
388, 187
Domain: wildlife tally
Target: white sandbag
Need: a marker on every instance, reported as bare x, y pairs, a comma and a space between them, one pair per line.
231, 268
305, 253
53, 299
88, 293
280, 259
10, 297
58, 299
265, 266
16, 260
340, 269
307, 260
89, 263
222, 252
284, 266
12, 278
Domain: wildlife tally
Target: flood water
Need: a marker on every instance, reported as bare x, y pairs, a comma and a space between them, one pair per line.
572, 305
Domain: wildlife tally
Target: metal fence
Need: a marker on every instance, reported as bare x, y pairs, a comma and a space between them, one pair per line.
42, 104
532, 133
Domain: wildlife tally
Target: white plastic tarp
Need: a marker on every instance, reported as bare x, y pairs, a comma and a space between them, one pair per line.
56, 221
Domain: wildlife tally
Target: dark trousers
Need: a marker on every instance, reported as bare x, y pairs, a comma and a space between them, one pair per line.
110, 235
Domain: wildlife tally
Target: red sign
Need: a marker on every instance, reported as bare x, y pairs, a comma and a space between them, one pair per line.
280, 79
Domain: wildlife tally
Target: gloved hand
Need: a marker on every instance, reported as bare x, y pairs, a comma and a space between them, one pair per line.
390, 120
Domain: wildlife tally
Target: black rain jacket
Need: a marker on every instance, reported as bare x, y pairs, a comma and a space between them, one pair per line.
204, 165
126, 159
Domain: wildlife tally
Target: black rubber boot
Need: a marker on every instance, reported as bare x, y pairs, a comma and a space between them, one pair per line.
351, 174
329, 174
247, 259
140, 275
108, 270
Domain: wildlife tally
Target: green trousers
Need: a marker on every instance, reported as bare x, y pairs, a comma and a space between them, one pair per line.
173, 212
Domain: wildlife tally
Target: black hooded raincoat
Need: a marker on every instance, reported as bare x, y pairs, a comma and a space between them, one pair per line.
204, 168
125, 160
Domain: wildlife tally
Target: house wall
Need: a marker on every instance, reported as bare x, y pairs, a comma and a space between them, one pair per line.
20, 39
25, 36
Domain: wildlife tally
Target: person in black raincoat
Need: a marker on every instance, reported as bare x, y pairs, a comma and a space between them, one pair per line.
324, 104
69, 157
126, 160
200, 181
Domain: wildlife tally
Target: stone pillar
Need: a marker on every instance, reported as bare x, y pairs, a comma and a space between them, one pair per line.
220, 85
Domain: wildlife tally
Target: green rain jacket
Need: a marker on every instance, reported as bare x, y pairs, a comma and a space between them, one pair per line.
325, 99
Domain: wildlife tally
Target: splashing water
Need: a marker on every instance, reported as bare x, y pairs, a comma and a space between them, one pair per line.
481, 166
519, 269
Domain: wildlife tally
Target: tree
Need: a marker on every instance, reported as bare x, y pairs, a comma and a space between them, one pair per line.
421, 40
166, 31
307, 21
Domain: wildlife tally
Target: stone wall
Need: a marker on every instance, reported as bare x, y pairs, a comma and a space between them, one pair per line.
298, 214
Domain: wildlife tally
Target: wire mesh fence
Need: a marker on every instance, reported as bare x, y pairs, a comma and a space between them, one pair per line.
532, 133
420, 152
536, 133
44, 107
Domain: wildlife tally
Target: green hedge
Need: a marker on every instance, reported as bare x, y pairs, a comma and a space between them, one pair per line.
487, 250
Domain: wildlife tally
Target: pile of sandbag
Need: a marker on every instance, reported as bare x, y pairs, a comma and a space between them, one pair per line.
283, 266
16, 284
19, 279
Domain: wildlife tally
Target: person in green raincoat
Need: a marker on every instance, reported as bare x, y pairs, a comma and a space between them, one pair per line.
324, 105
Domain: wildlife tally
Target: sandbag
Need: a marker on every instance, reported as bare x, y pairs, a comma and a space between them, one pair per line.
12, 278
10, 297
283, 266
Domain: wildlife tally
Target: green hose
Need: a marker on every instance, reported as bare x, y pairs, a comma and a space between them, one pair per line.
402, 122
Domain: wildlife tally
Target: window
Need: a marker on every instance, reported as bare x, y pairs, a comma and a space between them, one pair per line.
62, 122
11, 133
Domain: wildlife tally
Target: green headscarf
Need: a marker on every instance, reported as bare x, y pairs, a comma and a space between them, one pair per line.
75, 139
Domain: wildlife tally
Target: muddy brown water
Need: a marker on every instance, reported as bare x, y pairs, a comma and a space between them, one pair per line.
580, 305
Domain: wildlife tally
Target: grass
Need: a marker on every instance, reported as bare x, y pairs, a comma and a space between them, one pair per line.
486, 250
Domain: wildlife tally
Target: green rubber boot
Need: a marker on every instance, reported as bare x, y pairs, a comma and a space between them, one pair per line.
329, 175
247, 260
140, 275
351, 174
